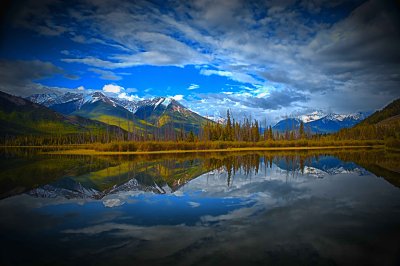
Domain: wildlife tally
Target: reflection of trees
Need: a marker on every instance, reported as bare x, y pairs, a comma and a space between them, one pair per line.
183, 167
380, 163
232, 164
174, 170
22, 173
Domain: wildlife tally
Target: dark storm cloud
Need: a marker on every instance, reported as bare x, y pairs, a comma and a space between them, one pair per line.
17, 77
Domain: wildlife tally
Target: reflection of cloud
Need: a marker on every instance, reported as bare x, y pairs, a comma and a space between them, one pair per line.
178, 193
289, 221
113, 203
194, 204
268, 183
161, 241
236, 214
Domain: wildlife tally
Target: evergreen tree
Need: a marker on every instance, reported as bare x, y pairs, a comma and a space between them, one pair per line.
190, 137
301, 130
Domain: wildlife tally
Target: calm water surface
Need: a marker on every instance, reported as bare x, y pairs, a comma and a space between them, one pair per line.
303, 208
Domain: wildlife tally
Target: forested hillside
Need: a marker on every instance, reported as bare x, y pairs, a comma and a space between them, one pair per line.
383, 124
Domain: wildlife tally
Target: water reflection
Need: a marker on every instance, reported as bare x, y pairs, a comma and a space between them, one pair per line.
281, 208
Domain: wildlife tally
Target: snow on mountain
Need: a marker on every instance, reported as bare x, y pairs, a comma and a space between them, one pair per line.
318, 114
70, 101
129, 105
166, 102
79, 99
97, 96
43, 99
341, 117
359, 116
319, 122
216, 118
49, 99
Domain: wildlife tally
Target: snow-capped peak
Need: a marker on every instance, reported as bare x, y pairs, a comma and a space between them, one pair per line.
160, 101
97, 96
166, 102
341, 117
217, 118
318, 114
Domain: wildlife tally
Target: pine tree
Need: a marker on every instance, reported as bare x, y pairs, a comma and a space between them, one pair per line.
228, 127
301, 130
190, 137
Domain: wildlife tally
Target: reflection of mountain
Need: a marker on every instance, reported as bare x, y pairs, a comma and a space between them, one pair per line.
157, 177
381, 164
70, 189
96, 177
22, 173
317, 166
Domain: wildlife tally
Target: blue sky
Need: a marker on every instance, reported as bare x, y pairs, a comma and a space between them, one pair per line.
258, 58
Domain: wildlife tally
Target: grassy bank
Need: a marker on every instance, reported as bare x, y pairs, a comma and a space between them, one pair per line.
221, 145
96, 152
185, 147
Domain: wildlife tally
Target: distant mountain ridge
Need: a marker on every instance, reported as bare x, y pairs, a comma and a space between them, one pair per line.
319, 122
144, 114
19, 116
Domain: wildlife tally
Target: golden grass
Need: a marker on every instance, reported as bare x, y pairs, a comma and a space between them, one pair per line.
94, 152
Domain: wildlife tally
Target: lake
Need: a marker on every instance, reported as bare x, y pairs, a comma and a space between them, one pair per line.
254, 208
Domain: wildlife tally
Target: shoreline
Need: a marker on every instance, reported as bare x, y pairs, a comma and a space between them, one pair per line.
94, 152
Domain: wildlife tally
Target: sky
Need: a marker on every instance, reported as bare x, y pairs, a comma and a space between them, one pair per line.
260, 59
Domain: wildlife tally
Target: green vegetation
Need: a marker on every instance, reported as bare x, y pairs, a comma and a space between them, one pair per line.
115, 129
381, 125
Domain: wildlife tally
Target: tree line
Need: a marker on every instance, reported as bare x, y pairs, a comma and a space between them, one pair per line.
245, 131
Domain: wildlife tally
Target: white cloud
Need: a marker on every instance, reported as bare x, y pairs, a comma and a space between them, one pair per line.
177, 97
193, 87
263, 43
112, 88
209, 72
129, 97
80, 88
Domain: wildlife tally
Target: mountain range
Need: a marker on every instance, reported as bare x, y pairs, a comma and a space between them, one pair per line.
163, 111
160, 112
74, 112
320, 122
19, 116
